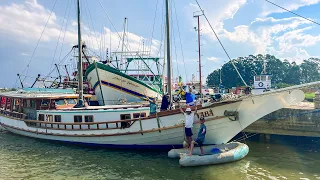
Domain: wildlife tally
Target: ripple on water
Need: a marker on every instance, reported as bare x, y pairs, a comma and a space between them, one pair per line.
26, 158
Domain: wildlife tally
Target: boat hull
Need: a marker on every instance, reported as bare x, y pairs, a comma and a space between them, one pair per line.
168, 130
116, 86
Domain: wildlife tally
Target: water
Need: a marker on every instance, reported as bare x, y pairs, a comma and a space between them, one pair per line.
27, 158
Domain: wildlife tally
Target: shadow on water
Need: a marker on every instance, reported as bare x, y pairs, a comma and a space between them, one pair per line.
27, 158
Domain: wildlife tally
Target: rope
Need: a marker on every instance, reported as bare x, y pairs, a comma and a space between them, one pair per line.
175, 47
225, 51
293, 12
89, 12
34, 51
55, 50
154, 22
184, 64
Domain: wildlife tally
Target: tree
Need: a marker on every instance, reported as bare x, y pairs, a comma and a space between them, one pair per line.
283, 72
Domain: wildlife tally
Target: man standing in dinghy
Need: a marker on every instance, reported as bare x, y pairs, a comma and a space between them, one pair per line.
189, 117
201, 136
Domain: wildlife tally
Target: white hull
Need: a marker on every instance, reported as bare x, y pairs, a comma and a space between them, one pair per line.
220, 129
116, 86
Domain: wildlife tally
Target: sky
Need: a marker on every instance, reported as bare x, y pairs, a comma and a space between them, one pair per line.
245, 27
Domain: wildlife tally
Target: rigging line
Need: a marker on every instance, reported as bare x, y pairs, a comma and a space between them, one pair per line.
61, 61
115, 27
221, 44
55, 50
175, 47
293, 12
65, 30
95, 35
162, 29
154, 22
34, 51
184, 64
86, 16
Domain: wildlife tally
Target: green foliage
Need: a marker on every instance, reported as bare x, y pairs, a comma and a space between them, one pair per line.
309, 96
283, 73
282, 85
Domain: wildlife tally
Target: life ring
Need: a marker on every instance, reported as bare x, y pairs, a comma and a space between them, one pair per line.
260, 84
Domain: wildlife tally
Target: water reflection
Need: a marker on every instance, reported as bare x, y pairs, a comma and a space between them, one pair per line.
26, 158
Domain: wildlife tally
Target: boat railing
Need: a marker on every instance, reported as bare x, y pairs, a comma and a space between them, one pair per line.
12, 114
119, 124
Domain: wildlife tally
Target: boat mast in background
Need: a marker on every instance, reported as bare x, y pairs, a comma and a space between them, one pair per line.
123, 37
199, 52
168, 51
80, 71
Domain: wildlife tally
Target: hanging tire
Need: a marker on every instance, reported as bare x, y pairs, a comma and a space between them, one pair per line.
260, 84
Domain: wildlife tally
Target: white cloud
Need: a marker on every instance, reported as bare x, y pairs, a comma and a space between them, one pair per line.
284, 37
25, 22
223, 10
213, 58
290, 5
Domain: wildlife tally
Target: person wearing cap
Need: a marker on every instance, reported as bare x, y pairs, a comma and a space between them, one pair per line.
201, 137
189, 117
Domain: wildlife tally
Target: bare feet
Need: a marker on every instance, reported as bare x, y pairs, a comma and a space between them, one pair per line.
190, 154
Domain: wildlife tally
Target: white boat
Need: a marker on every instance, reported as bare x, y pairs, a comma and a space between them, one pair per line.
116, 85
130, 127
54, 115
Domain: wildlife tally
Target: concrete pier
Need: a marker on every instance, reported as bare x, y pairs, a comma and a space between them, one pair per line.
299, 120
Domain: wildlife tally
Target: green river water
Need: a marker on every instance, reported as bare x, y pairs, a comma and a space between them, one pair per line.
27, 158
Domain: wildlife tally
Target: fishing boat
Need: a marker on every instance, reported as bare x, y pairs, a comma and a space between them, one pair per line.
111, 84
64, 116
112, 81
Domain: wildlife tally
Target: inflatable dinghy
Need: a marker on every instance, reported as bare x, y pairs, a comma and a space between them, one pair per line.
214, 154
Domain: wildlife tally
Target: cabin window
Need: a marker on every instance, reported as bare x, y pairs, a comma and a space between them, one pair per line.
257, 78
77, 118
8, 103
124, 117
3, 102
263, 78
268, 78
138, 115
71, 101
41, 117
151, 78
50, 118
88, 118
33, 104
44, 102
60, 102
57, 118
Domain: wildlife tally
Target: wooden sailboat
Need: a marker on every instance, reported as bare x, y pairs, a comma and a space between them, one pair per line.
52, 115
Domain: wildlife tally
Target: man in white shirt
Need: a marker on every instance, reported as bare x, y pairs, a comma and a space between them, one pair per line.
189, 117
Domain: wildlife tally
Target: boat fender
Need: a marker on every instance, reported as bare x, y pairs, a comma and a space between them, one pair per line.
260, 84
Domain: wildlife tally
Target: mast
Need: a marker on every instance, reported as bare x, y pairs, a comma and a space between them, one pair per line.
80, 71
168, 50
264, 65
123, 36
199, 53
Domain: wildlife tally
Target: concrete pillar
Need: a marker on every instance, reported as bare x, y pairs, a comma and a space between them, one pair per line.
316, 100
